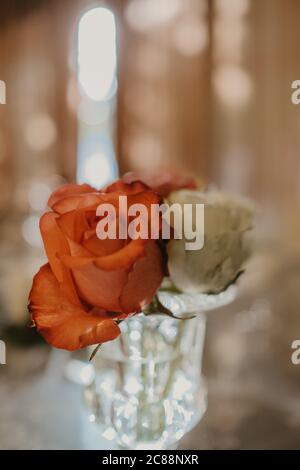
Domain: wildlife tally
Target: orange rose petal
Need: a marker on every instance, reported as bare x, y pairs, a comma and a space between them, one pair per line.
103, 331
121, 187
146, 197
104, 314
102, 247
143, 280
88, 234
98, 287
90, 201
69, 190
124, 258
77, 262
77, 257
55, 243
62, 324
66, 204
77, 250
80, 201
73, 224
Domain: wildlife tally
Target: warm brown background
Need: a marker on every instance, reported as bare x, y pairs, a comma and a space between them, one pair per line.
220, 110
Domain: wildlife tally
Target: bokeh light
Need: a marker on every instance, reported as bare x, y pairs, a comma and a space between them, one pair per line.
143, 15
38, 195
40, 132
144, 151
96, 161
190, 37
232, 8
97, 169
233, 85
93, 112
97, 53
31, 232
229, 47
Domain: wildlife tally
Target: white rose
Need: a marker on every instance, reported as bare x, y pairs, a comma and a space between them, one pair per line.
220, 261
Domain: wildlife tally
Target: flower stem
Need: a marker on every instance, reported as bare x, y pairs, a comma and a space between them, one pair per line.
156, 307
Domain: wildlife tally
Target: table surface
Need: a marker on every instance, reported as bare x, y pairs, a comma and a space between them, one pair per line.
253, 400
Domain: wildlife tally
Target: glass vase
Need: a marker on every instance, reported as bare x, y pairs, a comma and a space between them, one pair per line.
147, 388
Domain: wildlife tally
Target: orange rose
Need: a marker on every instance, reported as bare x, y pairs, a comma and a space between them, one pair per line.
90, 283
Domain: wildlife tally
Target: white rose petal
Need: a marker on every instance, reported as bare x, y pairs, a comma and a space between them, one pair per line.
219, 262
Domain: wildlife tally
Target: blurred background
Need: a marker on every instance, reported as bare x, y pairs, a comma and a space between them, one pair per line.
97, 88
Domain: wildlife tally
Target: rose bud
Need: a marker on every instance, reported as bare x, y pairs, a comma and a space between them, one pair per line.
218, 264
